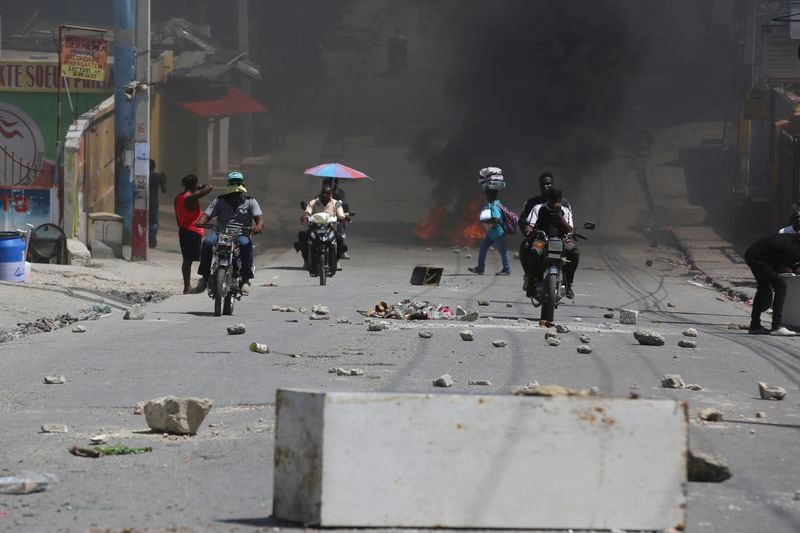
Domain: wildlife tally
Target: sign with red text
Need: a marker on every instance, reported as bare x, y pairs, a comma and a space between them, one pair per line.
84, 57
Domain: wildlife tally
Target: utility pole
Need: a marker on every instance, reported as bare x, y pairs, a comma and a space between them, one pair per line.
141, 172
242, 24
124, 27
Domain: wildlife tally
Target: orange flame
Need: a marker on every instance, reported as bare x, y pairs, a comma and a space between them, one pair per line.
429, 228
436, 227
470, 231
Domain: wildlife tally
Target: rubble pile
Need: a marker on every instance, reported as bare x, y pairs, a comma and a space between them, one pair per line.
409, 309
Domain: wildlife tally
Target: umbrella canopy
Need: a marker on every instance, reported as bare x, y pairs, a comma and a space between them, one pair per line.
336, 170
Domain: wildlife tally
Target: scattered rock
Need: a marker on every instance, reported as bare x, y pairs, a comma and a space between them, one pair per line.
509, 305
443, 381
460, 312
584, 338
319, 317
468, 256
553, 341
584, 349
135, 312
484, 382
499, 343
704, 467
673, 381
303, 309
561, 328
550, 332
54, 428
237, 329
709, 414
628, 316
735, 326
99, 439
608, 315
685, 343
259, 347
378, 326
181, 416
671, 304
551, 391
467, 335
288, 310
483, 303
138, 409
691, 332
761, 414
648, 338
320, 310
770, 392
425, 334
276, 307
694, 386
472, 316
351, 372
80, 328
343, 320
102, 308
54, 380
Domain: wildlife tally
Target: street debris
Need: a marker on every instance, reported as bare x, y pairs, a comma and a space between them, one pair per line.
761, 414
303, 310
553, 341
101, 307
694, 386
99, 439
628, 317
550, 332
561, 328
26, 483
472, 316
54, 428
671, 304
259, 347
499, 343
237, 329
509, 305
691, 332
319, 317
771, 392
443, 381
734, 326
425, 334
54, 380
709, 414
648, 338
704, 467
344, 372
180, 416
608, 315
482, 382
135, 312
116, 449
584, 338
408, 309
45, 325
584, 349
281, 309
80, 328
138, 409
467, 335
673, 381
343, 320
378, 326
685, 343
551, 391
320, 309
483, 303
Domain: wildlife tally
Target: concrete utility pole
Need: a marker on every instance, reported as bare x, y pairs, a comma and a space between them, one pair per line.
246, 120
141, 172
123, 113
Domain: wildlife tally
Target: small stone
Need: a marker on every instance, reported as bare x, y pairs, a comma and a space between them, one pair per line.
237, 329
425, 334
551, 332
550, 391
79, 328
320, 310
378, 326
99, 439
735, 326
54, 428
608, 315
467, 335
319, 317
509, 305
102, 308
468, 256
483, 382
460, 312
553, 341
472, 316
54, 380
303, 309
428, 249
761, 414
138, 409
288, 310
629, 317
648, 338
584, 349
691, 332
578, 319
181, 416
704, 467
483, 303
671, 304
258, 347
343, 320
709, 414
276, 307
135, 312
673, 381
456, 250
584, 338
694, 386
594, 391
685, 343
499, 343
337, 370
356, 372
770, 392
443, 381
561, 328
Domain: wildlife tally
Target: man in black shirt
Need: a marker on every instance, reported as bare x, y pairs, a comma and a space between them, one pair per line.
768, 258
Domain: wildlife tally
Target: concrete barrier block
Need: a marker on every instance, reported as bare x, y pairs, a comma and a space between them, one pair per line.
629, 317
447, 460
791, 307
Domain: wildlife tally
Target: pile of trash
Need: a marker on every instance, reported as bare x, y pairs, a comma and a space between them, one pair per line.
409, 309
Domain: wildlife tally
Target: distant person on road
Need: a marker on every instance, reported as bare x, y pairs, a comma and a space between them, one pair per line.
324, 203
340, 196
492, 216
158, 182
768, 258
190, 235
794, 221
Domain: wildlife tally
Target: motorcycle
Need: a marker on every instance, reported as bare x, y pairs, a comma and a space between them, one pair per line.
550, 290
225, 282
323, 250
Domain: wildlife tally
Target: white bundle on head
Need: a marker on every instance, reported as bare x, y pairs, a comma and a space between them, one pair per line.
491, 178
491, 171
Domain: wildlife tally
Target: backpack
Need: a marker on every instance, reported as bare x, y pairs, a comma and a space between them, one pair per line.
510, 220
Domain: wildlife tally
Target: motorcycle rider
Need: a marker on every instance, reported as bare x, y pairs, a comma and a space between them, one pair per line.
235, 207
339, 195
324, 203
546, 182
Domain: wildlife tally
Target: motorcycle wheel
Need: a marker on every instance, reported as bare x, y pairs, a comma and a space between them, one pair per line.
227, 304
323, 270
219, 290
552, 287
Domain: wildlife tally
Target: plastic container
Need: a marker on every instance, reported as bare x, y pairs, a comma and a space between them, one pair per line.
25, 483
12, 257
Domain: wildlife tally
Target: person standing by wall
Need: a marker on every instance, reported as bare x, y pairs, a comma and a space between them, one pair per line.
190, 235
158, 183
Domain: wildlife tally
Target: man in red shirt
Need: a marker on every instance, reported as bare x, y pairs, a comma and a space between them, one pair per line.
187, 212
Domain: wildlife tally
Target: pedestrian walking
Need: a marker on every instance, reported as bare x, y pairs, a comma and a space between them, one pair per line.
768, 258
158, 183
492, 216
190, 235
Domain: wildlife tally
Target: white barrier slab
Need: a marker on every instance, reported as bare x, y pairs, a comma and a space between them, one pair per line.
791, 307
447, 460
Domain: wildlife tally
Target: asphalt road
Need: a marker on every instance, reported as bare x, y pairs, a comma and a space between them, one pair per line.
221, 478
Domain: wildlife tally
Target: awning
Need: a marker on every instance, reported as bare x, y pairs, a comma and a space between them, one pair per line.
235, 102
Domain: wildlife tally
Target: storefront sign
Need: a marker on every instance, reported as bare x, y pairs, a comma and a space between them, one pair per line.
84, 57
41, 77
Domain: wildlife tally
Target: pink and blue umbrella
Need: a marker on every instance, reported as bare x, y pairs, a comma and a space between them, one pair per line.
336, 170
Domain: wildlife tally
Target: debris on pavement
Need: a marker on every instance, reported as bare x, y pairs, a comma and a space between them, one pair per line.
761, 414
499, 343
135, 312
671, 304
467, 335
344, 372
343, 320
79, 328
409, 309
584, 338
101, 307
320, 309
685, 343
608, 315
552, 391
237, 329
584, 349
734, 326
553, 341
561, 328
319, 317
710, 414
378, 326
482, 382
472, 316
44, 325
425, 334
54, 428
54, 380
628, 317
648, 338
116, 449
483, 303
691, 332
771, 392
704, 467
99, 439
695, 387
259, 347
26, 483
444, 380
181, 416
138, 409
673, 381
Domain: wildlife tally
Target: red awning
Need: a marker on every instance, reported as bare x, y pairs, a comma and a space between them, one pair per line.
235, 102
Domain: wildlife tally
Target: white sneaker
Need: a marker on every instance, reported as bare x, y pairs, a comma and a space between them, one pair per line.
782, 332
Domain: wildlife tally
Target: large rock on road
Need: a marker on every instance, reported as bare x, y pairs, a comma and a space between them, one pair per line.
181, 416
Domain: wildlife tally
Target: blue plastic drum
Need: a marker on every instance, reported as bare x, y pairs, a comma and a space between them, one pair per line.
12, 257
